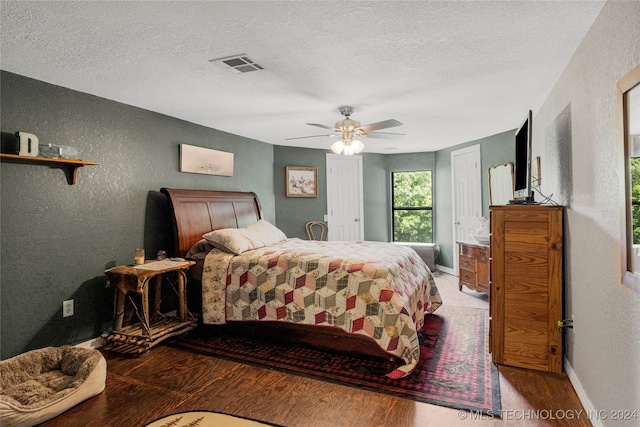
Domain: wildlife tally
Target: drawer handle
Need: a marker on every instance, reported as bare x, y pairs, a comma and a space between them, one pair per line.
466, 262
467, 276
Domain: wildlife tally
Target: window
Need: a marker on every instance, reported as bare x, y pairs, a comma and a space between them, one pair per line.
412, 197
631, 108
635, 203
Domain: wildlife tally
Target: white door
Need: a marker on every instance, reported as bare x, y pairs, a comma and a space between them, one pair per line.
344, 197
467, 195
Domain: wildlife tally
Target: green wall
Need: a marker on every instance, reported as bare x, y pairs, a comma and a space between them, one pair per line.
495, 149
57, 239
292, 213
376, 188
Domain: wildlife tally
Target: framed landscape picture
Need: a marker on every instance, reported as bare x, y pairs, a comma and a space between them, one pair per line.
195, 159
302, 182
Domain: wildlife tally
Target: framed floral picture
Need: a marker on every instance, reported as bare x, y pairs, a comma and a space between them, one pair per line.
302, 182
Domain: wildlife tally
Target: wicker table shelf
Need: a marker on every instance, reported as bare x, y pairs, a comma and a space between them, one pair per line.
153, 327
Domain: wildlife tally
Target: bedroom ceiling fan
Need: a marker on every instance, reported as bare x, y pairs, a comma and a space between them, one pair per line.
350, 129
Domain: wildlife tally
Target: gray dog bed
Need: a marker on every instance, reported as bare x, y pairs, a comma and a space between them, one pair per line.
40, 384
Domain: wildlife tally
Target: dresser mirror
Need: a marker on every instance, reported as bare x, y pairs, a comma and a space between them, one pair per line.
501, 184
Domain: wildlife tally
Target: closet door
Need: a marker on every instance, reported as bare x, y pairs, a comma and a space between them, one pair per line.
526, 286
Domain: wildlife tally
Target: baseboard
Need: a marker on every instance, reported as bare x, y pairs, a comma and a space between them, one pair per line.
582, 395
447, 270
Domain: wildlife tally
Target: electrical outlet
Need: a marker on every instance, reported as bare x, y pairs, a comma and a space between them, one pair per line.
67, 308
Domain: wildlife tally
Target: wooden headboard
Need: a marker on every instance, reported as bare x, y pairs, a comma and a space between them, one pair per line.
196, 212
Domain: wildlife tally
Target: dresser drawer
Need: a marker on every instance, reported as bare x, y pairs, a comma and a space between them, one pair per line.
468, 278
468, 263
475, 252
473, 271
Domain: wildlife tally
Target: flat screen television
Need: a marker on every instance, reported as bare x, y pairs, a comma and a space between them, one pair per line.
522, 168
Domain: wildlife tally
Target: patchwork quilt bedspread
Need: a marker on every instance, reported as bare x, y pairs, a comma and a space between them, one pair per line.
377, 289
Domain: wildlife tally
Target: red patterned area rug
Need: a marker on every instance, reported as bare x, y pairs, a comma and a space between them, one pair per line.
455, 368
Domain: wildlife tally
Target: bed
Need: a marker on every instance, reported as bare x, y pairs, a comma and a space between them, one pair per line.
368, 297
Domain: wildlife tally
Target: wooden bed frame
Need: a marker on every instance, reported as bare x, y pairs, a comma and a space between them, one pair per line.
196, 212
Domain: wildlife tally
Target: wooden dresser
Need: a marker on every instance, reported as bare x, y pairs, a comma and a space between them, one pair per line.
526, 286
473, 266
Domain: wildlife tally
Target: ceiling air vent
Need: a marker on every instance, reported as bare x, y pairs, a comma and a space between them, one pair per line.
237, 63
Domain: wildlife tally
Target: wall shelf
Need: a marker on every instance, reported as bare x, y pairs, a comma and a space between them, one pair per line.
69, 166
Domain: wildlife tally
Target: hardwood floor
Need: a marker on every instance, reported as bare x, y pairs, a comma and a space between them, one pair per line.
168, 380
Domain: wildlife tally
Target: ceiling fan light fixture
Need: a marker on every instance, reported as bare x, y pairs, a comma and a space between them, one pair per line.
357, 146
337, 146
349, 129
347, 148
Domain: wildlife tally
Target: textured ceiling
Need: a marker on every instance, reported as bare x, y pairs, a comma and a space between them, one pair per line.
450, 71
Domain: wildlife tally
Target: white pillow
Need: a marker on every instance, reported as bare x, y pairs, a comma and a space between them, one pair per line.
239, 240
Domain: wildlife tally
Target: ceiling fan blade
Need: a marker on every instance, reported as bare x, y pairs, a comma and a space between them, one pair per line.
311, 136
384, 135
322, 126
371, 127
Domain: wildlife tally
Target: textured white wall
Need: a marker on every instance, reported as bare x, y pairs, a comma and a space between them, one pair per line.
578, 135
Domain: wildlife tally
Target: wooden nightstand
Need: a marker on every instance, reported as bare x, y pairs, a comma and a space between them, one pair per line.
154, 327
474, 266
